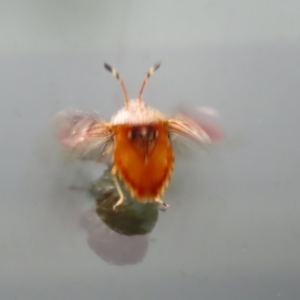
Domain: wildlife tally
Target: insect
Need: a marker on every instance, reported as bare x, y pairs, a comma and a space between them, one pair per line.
138, 138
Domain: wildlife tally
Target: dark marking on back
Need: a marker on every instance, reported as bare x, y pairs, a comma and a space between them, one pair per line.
143, 137
145, 132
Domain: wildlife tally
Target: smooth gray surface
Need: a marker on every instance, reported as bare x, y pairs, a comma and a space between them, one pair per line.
233, 228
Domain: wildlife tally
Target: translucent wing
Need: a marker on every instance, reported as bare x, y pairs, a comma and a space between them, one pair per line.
84, 134
198, 125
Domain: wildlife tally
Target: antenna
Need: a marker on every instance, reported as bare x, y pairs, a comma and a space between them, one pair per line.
149, 74
118, 77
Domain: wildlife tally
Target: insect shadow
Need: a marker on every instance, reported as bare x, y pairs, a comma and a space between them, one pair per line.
120, 237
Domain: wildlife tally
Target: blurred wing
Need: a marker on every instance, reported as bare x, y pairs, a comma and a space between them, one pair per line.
197, 125
84, 134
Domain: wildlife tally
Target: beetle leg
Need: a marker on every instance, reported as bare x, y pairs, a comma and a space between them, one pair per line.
121, 199
158, 200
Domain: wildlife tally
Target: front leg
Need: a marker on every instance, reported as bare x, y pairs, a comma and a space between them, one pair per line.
119, 190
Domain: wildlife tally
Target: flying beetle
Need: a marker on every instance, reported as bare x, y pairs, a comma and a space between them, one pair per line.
138, 138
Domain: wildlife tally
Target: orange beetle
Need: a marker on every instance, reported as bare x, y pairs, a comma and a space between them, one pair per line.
138, 138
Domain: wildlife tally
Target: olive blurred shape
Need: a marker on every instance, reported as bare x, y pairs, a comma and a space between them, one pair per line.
130, 218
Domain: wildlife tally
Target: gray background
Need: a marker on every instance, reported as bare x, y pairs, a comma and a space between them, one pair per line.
233, 228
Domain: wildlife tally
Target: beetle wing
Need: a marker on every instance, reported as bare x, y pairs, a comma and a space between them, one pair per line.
86, 135
198, 125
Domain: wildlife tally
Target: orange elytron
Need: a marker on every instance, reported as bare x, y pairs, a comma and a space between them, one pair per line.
138, 138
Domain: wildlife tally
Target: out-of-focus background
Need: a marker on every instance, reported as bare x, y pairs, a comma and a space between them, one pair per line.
233, 229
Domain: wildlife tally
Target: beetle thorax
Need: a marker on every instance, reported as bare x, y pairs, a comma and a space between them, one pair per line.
137, 112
